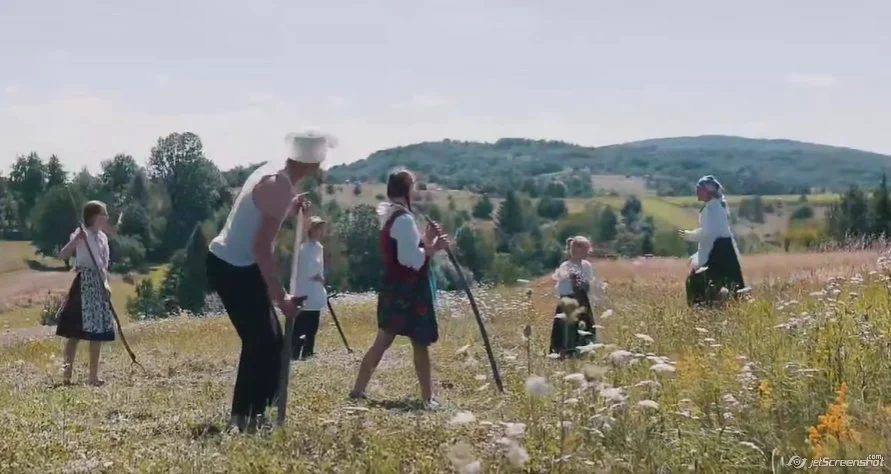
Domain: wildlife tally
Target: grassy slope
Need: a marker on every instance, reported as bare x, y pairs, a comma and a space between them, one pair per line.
169, 420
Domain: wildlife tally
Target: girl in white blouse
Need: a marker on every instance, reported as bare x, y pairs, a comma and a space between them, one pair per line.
715, 265
311, 284
573, 324
86, 313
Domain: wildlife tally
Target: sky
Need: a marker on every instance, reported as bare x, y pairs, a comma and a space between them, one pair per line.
89, 79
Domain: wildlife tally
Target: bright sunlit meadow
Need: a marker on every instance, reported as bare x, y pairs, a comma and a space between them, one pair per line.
802, 367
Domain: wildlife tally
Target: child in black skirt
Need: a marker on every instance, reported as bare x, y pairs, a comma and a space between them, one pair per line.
86, 313
574, 320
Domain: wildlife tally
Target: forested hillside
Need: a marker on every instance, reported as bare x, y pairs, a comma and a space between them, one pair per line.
670, 165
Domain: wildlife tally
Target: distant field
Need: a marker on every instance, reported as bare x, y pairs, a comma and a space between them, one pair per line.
618, 183
664, 213
813, 199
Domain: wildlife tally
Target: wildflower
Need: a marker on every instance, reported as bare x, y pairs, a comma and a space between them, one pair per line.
620, 357
480, 377
472, 468
462, 418
517, 456
701, 330
514, 430
576, 378
537, 386
571, 401
593, 372
650, 384
663, 368
613, 394
460, 455
648, 404
644, 338
586, 348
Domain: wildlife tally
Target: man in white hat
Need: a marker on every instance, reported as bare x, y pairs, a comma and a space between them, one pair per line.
242, 269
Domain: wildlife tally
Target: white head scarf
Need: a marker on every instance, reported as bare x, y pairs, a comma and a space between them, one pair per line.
709, 182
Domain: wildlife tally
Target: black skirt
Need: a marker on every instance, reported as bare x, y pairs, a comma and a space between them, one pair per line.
565, 336
86, 313
723, 271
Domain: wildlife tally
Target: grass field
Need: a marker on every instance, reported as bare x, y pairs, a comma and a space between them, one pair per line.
785, 199
802, 367
23, 291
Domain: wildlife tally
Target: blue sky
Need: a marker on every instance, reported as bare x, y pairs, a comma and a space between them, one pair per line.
89, 79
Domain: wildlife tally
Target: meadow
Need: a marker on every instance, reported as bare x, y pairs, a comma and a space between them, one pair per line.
800, 367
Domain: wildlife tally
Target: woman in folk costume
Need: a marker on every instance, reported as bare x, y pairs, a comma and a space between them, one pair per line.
311, 285
242, 269
86, 314
715, 265
406, 301
574, 320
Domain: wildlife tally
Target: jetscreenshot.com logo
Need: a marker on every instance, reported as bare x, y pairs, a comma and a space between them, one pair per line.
778, 462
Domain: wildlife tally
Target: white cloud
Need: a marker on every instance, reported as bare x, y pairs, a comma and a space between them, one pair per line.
336, 102
815, 80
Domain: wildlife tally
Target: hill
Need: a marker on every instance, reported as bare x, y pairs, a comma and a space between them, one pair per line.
669, 165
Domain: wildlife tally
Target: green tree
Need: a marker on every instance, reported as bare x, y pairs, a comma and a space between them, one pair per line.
608, 223
192, 181
483, 208
54, 220
631, 211
193, 287
881, 209
358, 233
552, 208
510, 215
27, 181
556, 189
55, 172
116, 177
850, 216
476, 250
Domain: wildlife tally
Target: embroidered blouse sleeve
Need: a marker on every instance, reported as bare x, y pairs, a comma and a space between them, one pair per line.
408, 241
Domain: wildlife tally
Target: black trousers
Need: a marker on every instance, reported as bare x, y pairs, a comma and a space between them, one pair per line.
243, 293
305, 328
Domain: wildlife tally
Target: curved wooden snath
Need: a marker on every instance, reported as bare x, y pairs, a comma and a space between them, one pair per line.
117, 320
476, 312
285, 369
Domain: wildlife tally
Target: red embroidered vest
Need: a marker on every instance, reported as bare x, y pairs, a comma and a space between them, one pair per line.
393, 270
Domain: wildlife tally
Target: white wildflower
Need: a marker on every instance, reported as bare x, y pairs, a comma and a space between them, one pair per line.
517, 456
663, 368
644, 338
615, 394
576, 378
649, 384
514, 430
648, 404
480, 377
472, 468
537, 386
462, 418
620, 357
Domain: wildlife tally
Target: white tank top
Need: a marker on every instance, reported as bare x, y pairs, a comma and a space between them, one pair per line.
235, 243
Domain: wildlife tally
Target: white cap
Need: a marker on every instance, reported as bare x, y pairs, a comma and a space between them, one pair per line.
309, 146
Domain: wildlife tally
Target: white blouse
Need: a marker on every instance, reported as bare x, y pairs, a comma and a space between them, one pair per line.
311, 262
98, 243
714, 224
563, 276
405, 231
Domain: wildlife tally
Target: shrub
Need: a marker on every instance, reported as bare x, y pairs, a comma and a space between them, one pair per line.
49, 314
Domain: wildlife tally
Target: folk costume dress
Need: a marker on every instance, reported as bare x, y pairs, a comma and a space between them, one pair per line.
574, 281
86, 313
716, 261
405, 305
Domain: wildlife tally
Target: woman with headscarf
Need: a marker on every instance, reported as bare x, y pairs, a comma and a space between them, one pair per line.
715, 265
